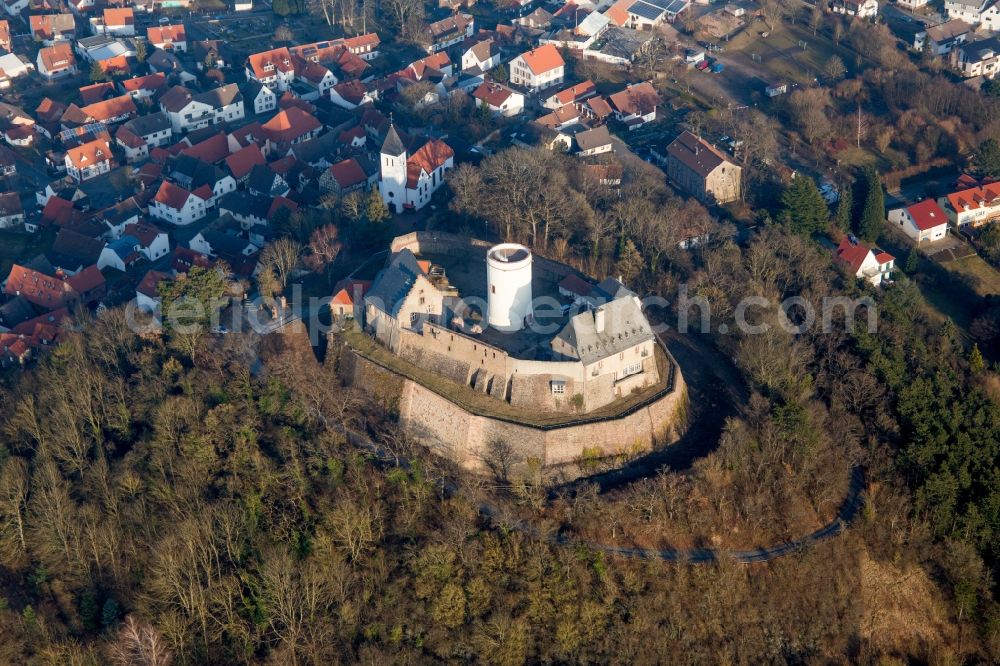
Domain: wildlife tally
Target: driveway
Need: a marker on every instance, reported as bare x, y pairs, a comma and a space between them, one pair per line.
947, 249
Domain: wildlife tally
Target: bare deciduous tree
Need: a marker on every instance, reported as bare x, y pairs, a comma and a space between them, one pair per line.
139, 644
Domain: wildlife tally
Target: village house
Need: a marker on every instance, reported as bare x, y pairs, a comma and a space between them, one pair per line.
636, 105
242, 162
51, 28
13, 66
448, 32
89, 160
979, 58
701, 170
593, 141
351, 94
144, 88
151, 241
973, 12
56, 61
273, 68
858, 8
147, 292
168, 37
118, 22
972, 206
346, 176
572, 95
407, 181
865, 263
481, 57
11, 210
191, 111
940, 39
288, 127
348, 299
645, 14
138, 136
5, 41
52, 293
538, 69
923, 222
499, 99
264, 99
179, 206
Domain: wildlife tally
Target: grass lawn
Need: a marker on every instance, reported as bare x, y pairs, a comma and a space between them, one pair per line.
480, 403
782, 59
982, 277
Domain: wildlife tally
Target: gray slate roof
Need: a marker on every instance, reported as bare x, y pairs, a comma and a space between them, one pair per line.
624, 327
392, 145
394, 282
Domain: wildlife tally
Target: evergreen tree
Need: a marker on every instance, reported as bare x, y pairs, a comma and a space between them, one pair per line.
500, 73
912, 261
89, 610
281, 7
140, 50
843, 218
96, 73
976, 363
803, 207
987, 159
873, 214
630, 262
375, 209
109, 613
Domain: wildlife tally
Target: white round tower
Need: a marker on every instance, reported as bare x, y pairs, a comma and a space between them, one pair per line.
508, 276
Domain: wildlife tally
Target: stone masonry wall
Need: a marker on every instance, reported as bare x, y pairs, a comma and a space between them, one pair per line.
463, 437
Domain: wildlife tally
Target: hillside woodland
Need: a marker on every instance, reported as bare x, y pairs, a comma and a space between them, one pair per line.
225, 499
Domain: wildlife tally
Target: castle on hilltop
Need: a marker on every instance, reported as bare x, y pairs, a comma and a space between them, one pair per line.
485, 344
581, 353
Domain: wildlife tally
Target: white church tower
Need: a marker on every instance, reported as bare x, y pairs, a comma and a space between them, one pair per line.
392, 171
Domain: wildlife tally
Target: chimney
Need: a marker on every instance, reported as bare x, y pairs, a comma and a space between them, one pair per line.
599, 319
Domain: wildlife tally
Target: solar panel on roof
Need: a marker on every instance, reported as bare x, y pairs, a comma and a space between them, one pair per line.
671, 6
646, 10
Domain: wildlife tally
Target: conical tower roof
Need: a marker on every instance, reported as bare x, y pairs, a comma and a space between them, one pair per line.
392, 145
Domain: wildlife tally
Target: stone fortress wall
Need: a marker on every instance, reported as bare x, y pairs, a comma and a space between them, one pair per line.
463, 436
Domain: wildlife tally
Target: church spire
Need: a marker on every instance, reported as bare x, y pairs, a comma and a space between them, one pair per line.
392, 145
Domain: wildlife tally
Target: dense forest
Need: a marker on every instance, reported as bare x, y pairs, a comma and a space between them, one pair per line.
227, 499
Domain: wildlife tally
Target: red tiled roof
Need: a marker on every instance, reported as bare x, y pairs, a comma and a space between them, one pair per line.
244, 160
432, 155
618, 12
111, 108
975, 197
577, 92
88, 279
927, 214
348, 173
347, 291
149, 82
279, 58
96, 92
49, 110
639, 99
166, 34
150, 282
93, 152
281, 202
128, 138
213, 149
184, 259
119, 16
172, 196
543, 59
144, 232
576, 285
492, 94
57, 57
42, 290
290, 124
852, 254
